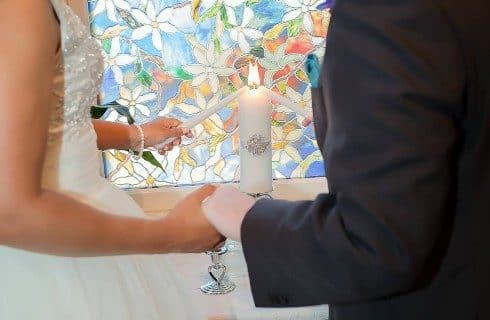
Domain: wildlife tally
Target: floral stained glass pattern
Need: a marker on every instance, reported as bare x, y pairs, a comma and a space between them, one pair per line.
176, 57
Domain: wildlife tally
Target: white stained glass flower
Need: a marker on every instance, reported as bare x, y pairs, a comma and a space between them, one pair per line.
211, 66
110, 6
303, 100
136, 174
241, 33
276, 61
115, 59
153, 24
135, 100
192, 109
286, 151
301, 7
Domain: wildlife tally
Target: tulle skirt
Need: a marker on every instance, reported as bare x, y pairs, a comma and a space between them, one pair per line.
36, 286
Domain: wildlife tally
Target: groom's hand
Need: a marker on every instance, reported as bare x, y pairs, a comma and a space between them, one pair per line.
193, 231
226, 209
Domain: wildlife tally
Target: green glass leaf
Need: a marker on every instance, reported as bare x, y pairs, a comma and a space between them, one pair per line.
217, 45
258, 52
97, 112
211, 12
224, 17
294, 26
124, 111
106, 45
231, 87
282, 86
145, 78
213, 143
138, 67
149, 157
276, 123
128, 18
250, 3
243, 78
180, 73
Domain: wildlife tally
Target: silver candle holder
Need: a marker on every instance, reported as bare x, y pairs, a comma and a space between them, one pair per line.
220, 283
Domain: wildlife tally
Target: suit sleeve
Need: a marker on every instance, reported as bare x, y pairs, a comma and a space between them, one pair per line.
394, 81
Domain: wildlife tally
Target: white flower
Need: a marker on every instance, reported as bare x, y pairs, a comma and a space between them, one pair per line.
274, 62
135, 100
210, 67
302, 100
241, 32
301, 7
110, 7
283, 151
191, 109
153, 24
114, 60
134, 174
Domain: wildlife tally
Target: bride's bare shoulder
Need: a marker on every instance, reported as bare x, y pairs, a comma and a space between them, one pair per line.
28, 25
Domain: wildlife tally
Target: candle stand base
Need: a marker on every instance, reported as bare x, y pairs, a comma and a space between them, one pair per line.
259, 196
213, 288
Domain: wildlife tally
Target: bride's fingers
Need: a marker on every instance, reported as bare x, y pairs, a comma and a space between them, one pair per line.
171, 122
176, 132
166, 148
204, 192
177, 142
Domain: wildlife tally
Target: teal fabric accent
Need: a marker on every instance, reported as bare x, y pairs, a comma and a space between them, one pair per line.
312, 68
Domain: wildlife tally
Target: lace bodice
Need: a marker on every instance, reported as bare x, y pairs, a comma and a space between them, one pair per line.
78, 77
72, 161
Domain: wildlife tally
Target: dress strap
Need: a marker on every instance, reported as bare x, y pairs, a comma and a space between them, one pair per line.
59, 10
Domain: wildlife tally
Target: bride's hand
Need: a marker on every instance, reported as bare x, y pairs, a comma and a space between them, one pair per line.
193, 232
161, 129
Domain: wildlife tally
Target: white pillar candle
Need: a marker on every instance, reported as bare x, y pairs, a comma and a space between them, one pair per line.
254, 115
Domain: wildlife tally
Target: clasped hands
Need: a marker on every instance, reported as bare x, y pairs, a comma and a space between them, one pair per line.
208, 215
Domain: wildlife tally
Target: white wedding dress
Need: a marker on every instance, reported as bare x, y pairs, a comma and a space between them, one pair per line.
35, 286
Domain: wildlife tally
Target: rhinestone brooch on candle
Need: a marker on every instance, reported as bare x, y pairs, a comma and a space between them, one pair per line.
257, 144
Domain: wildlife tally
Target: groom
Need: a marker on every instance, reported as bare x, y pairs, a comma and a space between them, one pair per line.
403, 233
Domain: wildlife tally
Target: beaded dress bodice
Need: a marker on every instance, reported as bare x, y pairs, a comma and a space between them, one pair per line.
72, 155
78, 77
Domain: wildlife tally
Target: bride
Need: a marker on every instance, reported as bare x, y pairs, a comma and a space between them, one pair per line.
55, 207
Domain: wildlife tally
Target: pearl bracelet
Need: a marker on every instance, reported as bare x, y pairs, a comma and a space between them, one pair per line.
138, 155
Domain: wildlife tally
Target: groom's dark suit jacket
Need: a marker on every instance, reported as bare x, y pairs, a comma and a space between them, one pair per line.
405, 231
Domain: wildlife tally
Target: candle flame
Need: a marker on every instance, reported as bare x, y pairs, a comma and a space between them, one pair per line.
253, 76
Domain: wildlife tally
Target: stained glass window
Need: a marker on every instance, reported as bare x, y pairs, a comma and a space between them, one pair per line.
175, 57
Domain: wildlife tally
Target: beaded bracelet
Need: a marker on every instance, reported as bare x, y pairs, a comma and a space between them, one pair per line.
138, 155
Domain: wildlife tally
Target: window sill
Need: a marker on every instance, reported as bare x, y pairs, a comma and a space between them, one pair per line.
161, 200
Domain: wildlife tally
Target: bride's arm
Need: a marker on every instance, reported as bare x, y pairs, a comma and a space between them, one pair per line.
111, 135
35, 219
